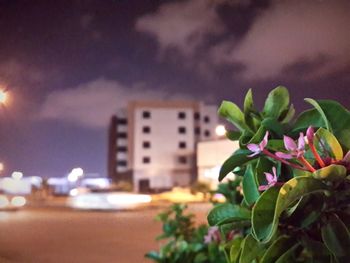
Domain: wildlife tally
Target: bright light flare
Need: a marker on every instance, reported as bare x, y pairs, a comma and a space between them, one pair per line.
220, 130
75, 174
3, 97
17, 175
18, 201
4, 202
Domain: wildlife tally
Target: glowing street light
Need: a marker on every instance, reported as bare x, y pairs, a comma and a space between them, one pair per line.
75, 174
3, 96
220, 130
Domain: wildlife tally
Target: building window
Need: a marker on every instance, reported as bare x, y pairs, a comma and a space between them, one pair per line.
207, 133
146, 144
182, 130
182, 145
182, 159
206, 119
122, 149
146, 159
181, 115
122, 135
146, 115
196, 116
122, 163
122, 121
197, 131
146, 129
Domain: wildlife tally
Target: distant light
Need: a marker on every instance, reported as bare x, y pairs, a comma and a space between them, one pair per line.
1, 167
4, 202
75, 174
128, 199
3, 96
17, 175
220, 130
18, 201
73, 192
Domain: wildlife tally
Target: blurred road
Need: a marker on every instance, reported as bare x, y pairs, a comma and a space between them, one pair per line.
65, 236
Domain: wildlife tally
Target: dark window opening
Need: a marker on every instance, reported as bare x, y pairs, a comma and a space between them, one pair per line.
182, 130
182, 115
146, 114
182, 159
197, 130
207, 133
122, 149
146, 159
182, 145
206, 119
196, 116
122, 163
122, 135
146, 144
146, 129
122, 121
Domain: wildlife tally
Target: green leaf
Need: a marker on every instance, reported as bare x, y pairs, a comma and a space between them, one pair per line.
337, 115
320, 111
332, 172
233, 114
273, 126
250, 187
235, 160
235, 249
251, 249
233, 135
289, 255
336, 237
277, 249
272, 203
289, 115
316, 249
154, 255
325, 140
227, 213
277, 101
250, 112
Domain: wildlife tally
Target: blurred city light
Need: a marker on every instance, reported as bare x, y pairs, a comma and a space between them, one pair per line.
75, 174
220, 130
18, 201
17, 175
3, 97
4, 202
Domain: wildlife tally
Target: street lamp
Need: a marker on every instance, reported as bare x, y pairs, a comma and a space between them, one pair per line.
220, 130
3, 97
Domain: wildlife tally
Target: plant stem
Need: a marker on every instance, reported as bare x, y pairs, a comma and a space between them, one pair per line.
307, 164
284, 161
317, 156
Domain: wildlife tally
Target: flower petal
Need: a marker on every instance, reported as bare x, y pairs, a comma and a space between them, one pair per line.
274, 172
289, 143
301, 142
263, 143
347, 157
284, 155
310, 133
253, 147
263, 187
269, 178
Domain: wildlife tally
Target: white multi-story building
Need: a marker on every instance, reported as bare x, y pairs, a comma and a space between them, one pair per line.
153, 143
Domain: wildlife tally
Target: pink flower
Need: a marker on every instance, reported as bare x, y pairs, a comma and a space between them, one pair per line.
293, 149
310, 134
213, 235
258, 148
271, 180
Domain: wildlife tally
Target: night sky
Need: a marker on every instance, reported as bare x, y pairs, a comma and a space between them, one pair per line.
69, 65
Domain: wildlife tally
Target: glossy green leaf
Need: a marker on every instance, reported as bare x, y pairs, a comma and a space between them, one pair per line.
233, 114
227, 213
326, 141
251, 249
277, 101
277, 249
235, 250
289, 115
250, 186
273, 126
248, 109
317, 250
321, 112
265, 223
336, 237
289, 256
235, 160
332, 172
233, 135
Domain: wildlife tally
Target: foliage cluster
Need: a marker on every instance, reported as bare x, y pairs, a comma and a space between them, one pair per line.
296, 195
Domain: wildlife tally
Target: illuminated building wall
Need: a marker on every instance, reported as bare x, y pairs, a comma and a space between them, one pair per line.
155, 142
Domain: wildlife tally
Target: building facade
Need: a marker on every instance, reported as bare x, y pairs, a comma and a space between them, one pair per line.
153, 143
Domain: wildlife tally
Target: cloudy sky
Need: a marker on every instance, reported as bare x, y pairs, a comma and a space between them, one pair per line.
69, 65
